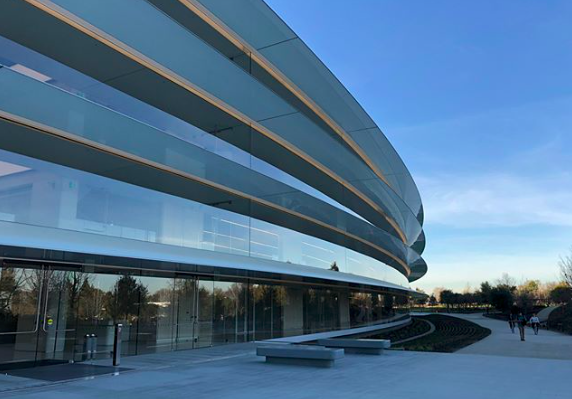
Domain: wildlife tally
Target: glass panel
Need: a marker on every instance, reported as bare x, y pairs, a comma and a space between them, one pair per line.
228, 312
159, 313
186, 329
156, 315
321, 310
83, 202
205, 313
252, 19
262, 311
39, 67
106, 300
179, 50
300, 64
76, 118
360, 308
57, 334
20, 290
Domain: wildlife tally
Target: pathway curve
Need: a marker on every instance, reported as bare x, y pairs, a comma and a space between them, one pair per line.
501, 342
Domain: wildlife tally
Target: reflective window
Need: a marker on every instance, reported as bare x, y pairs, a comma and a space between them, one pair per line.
44, 69
52, 313
44, 194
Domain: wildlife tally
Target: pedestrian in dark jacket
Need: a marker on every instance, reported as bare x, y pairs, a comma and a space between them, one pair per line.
521, 320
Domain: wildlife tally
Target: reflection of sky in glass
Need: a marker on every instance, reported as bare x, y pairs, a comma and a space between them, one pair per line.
44, 69
40, 193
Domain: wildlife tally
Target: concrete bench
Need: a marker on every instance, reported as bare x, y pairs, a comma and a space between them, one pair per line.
362, 346
305, 355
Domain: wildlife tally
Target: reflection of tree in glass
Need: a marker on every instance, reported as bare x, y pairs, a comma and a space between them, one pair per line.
75, 284
11, 284
10, 287
123, 301
19, 293
158, 305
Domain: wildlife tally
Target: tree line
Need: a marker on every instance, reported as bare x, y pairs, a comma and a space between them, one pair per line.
504, 295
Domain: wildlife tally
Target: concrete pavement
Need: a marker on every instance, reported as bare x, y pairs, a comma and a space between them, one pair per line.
238, 373
499, 367
545, 345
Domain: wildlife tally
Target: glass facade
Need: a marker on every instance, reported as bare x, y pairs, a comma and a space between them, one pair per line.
178, 50
39, 193
161, 179
47, 310
36, 66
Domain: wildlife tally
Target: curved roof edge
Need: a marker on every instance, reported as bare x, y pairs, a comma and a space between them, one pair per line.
235, 31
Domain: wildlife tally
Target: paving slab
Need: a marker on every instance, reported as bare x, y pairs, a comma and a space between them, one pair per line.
502, 342
236, 372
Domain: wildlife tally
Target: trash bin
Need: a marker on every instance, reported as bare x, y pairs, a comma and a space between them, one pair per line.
86, 347
93, 346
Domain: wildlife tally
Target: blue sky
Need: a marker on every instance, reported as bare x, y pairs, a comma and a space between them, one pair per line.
477, 99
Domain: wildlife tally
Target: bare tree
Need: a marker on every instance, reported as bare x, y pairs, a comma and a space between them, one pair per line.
506, 281
566, 268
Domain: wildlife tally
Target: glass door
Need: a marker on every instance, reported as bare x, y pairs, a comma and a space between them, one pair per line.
56, 339
37, 314
186, 312
20, 308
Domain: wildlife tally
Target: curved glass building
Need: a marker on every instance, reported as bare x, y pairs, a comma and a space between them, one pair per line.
191, 170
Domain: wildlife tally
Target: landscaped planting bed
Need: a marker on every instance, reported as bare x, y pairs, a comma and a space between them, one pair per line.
417, 327
450, 335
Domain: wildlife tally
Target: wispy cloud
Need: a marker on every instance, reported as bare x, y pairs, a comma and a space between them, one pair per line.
501, 199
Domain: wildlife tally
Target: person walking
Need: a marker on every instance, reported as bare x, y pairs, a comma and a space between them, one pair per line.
535, 323
511, 322
521, 320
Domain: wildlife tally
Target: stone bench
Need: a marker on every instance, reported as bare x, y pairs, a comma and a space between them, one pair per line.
362, 346
305, 355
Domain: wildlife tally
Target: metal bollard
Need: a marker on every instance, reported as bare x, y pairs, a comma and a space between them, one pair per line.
117, 345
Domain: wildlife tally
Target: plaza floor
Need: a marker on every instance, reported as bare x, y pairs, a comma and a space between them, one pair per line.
235, 372
545, 345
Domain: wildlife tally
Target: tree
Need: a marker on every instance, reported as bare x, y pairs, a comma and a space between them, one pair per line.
544, 293
502, 297
561, 294
566, 269
421, 299
437, 293
526, 294
447, 298
432, 300
506, 280
485, 293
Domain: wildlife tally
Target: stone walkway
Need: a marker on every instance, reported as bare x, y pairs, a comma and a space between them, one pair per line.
498, 367
545, 345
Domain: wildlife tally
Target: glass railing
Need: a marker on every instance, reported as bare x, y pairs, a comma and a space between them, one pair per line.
44, 69
182, 53
50, 106
39, 193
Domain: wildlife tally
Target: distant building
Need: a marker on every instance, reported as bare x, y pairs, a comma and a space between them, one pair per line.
190, 169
